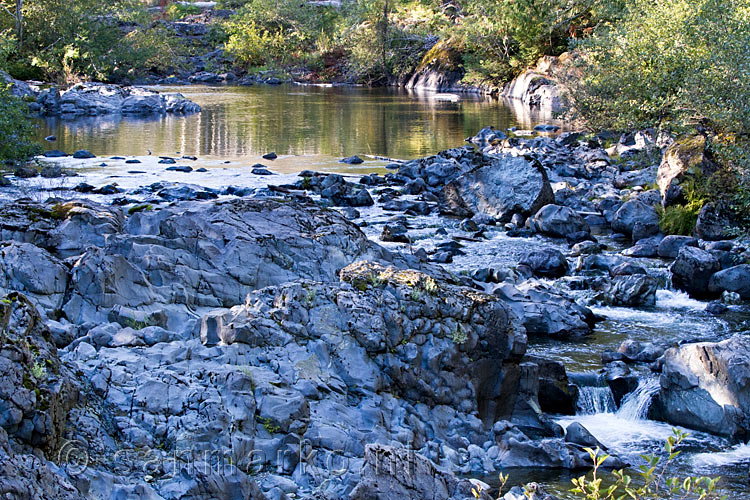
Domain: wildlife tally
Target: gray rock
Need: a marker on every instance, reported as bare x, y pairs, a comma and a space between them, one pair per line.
399, 474
706, 386
83, 154
692, 270
545, 262
681, 161
630, 213
670, 245
713, 223
504, 186
734, 279
560, 222
631, 291
546, 312
93, 99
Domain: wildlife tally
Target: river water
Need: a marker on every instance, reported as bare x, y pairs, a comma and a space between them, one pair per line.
314, 127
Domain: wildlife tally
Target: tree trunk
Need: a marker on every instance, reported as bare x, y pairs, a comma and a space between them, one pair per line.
19, 23
384, 40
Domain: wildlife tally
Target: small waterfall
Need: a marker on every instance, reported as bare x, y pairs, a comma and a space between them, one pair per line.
636, 404
594, 395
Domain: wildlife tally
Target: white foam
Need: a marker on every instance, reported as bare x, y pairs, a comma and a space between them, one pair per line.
670, 299
737, 454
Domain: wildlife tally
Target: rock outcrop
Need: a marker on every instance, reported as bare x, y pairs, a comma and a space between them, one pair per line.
94, 99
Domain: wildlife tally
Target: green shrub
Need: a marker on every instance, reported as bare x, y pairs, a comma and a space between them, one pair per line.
671, 63
16, 129
679, 219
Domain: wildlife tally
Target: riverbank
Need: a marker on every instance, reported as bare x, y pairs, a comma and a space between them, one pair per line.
455, 305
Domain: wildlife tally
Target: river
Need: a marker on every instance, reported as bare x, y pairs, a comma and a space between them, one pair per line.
314, 127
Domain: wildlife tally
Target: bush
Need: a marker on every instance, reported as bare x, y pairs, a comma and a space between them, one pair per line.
679, 219
71, 40
16, 128
669, 63
267, 31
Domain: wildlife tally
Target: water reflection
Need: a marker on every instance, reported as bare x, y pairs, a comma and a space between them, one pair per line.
240, 122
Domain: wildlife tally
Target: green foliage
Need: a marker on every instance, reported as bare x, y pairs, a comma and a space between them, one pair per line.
181, 10
39, 371
679, 219
459, 336
269, 425
671, 63
16, 128
70, 40
653, 483
140, 208
310, 297
279, 32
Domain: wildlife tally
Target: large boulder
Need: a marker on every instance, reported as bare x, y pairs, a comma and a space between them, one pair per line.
734, 279
684, 159
670, 246
706, 386
33, 271
501, 188
170, 262
692, 270
560, 222
631, 213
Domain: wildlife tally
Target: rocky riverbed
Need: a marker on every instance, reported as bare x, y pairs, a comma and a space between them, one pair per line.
383, 336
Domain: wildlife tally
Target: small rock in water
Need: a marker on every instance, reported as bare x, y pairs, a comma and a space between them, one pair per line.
352, 160
546, 128
117, 158
262, 171
102, 164
351, 213
395, 233
181, 168
716, 307
83, 188
26, 172
167, 161
55, 153
202, 169
108, 189
4, 182
136, 172
443, 257
50, 138
192, 158
270, 156
132, 161
83, 155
